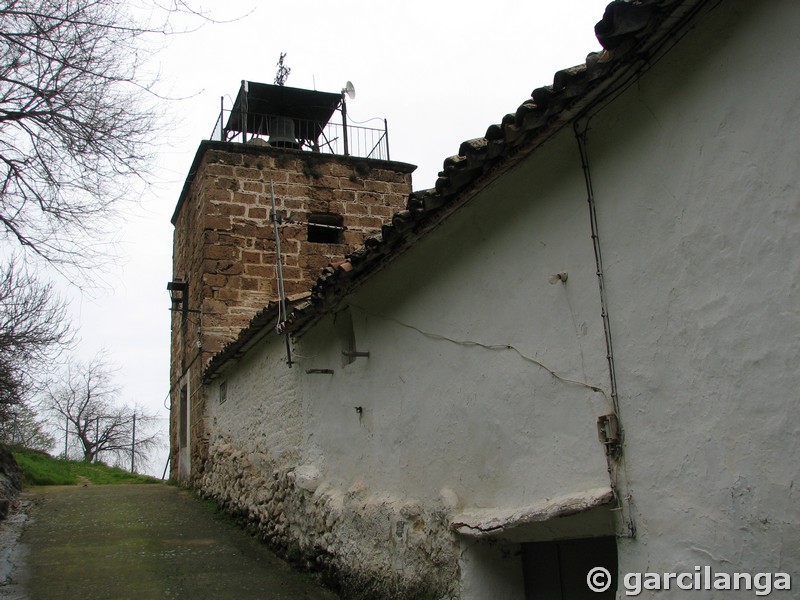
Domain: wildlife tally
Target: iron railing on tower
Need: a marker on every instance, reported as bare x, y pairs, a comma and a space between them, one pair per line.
287, 117
363, 142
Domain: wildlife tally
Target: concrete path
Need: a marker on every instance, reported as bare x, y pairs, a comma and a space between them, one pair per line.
143, 542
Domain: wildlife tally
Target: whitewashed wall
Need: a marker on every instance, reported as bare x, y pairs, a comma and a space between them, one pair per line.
695, 176
697, 179
459, 408
440, 410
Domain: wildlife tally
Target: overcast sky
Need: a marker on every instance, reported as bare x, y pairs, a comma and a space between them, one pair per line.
439, 72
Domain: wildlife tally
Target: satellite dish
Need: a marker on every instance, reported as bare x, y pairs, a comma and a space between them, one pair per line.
350, 90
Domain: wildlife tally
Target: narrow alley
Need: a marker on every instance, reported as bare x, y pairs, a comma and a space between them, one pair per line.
141, 541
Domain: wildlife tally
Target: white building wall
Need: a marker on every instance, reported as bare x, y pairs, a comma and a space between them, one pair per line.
457, 406
478, 392
262, 411
695, 172
440, 409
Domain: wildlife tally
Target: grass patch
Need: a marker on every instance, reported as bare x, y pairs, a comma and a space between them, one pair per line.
39, 468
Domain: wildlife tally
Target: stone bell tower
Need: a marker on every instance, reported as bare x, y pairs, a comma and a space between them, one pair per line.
278, 162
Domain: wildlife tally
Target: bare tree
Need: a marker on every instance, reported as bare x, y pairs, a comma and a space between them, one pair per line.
34, 330
85, 401
22, 427
76, 118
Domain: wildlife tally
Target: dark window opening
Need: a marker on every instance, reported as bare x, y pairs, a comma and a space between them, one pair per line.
183, 415
325, 228
223, 392
558, 570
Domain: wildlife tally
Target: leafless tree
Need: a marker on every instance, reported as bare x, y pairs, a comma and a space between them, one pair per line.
85, 400
22, 427
76, 118
34, 331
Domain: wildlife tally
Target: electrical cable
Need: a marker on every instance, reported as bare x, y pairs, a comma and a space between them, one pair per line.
352, 120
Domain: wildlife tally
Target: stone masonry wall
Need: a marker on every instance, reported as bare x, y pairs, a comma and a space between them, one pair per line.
370, 547
224, 246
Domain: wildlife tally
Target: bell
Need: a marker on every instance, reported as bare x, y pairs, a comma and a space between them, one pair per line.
281, 133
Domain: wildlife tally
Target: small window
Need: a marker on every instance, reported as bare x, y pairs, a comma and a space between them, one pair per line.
325, 228
223, 392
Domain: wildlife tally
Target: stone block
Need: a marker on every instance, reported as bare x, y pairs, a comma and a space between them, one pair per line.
321, 194
354, 183
248, 173
219, 252
380, 187
219, 170
336, 207
356, 208
385, 212
250, 257
227, 209
255, 187
228, 295
215, 279
293, 204
217, 223
246, 198
227, 267
257, 212
263, 271
250, 283
213, 306
402, 189
225, 158
214, 194
246, 229
294, 273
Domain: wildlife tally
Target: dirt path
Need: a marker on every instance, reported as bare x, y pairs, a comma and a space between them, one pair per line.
142, 541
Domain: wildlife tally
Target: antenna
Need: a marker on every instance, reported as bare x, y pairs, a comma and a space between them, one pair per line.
350, 90
283, 71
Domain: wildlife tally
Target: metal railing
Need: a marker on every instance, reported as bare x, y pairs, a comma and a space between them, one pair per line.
332, 138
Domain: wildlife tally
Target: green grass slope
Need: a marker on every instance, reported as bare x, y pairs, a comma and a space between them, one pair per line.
39, 468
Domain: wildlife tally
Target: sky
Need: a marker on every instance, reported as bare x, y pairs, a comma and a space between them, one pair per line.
439, 72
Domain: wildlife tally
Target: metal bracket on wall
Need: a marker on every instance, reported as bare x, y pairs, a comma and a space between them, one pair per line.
608, 432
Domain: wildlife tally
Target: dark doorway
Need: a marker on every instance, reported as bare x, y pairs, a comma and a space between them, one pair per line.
558, 570
183, 416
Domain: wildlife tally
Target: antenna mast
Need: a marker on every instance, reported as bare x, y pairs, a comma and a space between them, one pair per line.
283, 71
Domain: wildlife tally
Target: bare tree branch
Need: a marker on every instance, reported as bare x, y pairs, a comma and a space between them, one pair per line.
34, 331
24, 429
85, 399
77, 118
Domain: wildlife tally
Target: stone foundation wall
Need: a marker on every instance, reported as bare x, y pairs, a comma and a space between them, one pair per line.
368, 546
